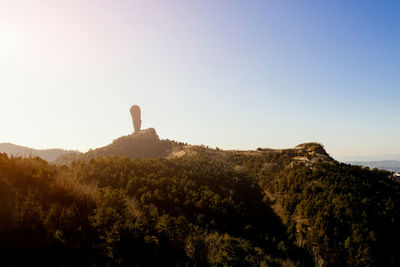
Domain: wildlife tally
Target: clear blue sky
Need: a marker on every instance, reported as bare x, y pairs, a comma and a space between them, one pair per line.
232, 74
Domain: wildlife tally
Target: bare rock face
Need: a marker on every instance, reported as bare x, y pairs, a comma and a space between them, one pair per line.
312, 147
136, 118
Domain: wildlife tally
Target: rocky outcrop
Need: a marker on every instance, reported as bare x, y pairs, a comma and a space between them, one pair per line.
312, 153
147, 133
312, 148
136, 117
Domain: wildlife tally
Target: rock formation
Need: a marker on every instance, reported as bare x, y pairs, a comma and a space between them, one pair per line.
149, 133
136, 118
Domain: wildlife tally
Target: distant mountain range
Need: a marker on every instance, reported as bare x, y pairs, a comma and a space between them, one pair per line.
47, 154
369, 158
390, 165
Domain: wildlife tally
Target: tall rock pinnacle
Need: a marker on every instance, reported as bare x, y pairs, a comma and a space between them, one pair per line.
136, 118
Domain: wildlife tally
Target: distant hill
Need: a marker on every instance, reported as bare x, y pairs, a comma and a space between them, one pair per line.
22, 151
389, 165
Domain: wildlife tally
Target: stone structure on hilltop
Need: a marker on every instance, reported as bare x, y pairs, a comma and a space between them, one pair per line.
136, 118
149, 133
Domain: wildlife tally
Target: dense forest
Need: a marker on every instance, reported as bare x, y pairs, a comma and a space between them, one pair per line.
294, 207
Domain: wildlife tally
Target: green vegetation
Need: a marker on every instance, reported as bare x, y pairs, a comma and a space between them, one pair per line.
350, 214
146, 144
294, 207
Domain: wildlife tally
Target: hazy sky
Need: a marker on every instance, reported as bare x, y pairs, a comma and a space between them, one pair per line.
232, 74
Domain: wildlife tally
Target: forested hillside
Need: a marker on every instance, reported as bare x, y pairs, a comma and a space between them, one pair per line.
292, 207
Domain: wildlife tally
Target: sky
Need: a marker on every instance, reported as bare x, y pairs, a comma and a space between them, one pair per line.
232, 74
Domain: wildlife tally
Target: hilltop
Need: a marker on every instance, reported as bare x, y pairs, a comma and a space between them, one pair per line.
147, 144
141, 144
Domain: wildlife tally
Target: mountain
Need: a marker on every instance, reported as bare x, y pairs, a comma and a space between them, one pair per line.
389, 165
21, 151
142, 201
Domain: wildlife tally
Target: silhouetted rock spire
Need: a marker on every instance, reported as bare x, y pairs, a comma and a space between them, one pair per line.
136, 117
